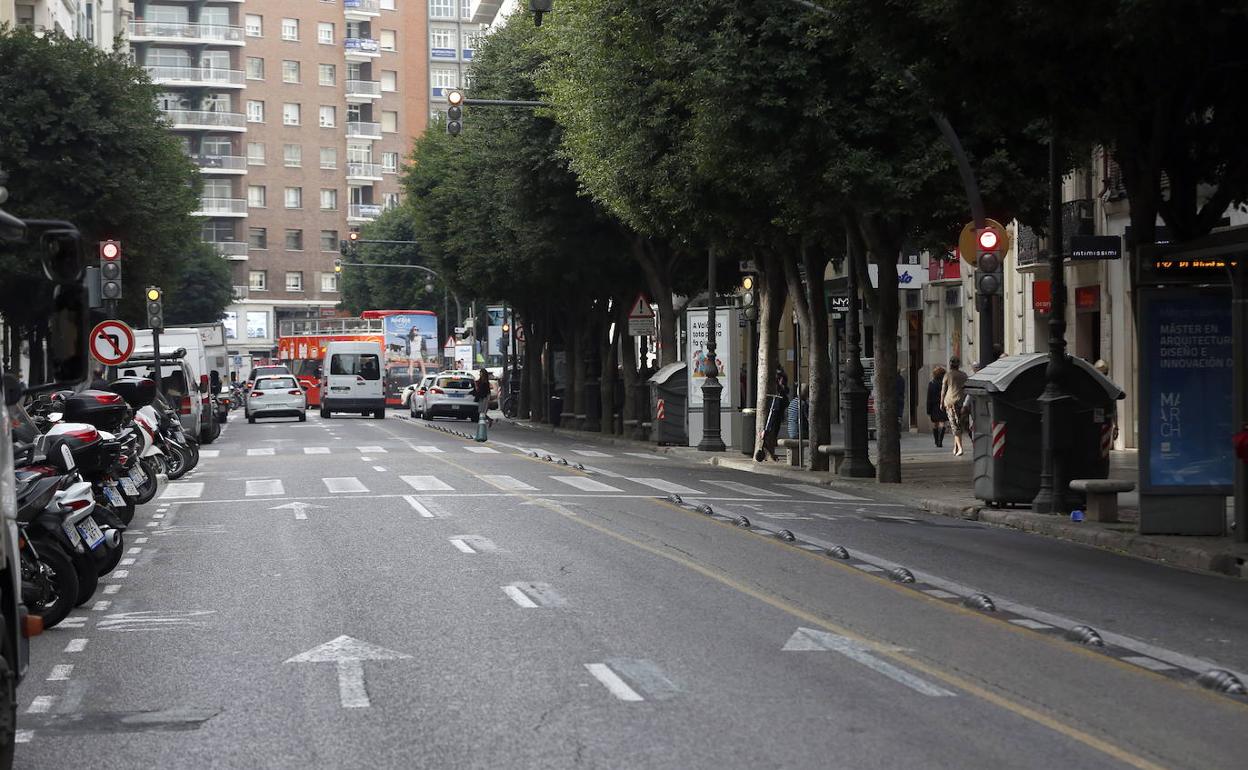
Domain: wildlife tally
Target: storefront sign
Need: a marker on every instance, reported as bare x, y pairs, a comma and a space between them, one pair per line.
946, 268
695, 353
838, 303
908, 276
1088, 298
1093, 247
1041, 296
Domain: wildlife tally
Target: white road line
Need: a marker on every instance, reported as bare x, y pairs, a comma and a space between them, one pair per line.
42, 704
428, 450
112, 589
76, 621
519, 597
127, 562
351, 691
1034, 625
152, 524
367, 459
135, 550
379, 469
418, 506
584, 484
263, 451
119, 573
426, 483
481, 450
1149, 663
744, 489
461, 545
76, 645
265, 487
61, 672
831, 494
344, 485
616, 686
23, 736
509, 483
667, 486
183, 490
209, 453
647, 456
939, 594
604, 472
316, 450
371, 450
158, 515
811, 639
589, 453
140, 540
868, 568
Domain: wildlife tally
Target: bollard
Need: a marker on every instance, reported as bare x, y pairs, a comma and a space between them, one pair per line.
481, 431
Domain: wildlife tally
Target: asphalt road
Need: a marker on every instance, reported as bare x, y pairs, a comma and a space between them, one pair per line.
366, 593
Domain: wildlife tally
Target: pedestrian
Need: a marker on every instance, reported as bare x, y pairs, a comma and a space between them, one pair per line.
782, 381
481, 394
798, 422
935, 410
952, 393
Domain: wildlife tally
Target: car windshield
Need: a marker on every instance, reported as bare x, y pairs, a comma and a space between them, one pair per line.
455, 383
276, 383
365, 365
262, 371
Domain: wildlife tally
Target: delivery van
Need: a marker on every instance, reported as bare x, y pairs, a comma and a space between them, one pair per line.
351, 379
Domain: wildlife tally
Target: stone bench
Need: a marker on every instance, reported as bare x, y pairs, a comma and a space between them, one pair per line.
792, 445
1102, 497
836, 456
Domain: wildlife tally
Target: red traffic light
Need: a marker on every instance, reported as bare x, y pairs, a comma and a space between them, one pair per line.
988, 239
110, 250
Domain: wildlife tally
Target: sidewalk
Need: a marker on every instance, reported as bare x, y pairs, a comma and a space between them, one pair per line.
934, 480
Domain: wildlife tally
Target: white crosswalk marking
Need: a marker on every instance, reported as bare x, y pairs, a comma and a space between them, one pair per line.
426, 483
509, 483
667, 486
366, 450
259, 451
209, 453
589, 453
265, 487
461, 545
584, 484
647, 456
418, 506
314, 450
428, 450
614, 684
831, 494
481, 450
744, 489
344, 485
519, 597
183, 490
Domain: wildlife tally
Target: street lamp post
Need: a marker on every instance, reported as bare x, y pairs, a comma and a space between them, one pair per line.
854, 397
712, 440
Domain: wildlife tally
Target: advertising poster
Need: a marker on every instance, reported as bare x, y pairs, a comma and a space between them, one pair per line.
1188, 372
410, 336
695, 354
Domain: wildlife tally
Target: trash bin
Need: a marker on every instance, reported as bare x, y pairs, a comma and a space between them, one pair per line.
669, 396
1006, 426
556, 410
748, 423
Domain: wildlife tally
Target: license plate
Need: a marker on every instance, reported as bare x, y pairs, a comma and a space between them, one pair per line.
114, 497
137, 475
71, 533
129, 487
91, 533
456, 406
343, 389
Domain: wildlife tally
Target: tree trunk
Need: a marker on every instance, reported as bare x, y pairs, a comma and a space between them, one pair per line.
884, 245
801, 309
770, 312
659, 280
819, 367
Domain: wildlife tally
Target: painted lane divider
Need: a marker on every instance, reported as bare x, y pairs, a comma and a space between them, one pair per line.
614, 684
264, 451
418, 506
534, 595
348, 655
61, 672
426, 483
265, 487
344, 485
519, 597
811, 639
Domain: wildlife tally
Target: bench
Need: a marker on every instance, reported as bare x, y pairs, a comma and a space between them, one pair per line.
792, 445
836, 456
1102, 497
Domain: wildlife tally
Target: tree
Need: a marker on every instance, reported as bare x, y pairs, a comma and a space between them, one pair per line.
201, 289
366, 288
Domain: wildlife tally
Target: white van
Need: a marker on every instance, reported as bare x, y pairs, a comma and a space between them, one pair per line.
351, 379
196, 361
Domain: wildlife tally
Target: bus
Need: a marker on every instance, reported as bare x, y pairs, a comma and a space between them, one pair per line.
408, 337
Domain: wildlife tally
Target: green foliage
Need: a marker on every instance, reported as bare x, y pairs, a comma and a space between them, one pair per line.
201, 289
387, 288
83, 141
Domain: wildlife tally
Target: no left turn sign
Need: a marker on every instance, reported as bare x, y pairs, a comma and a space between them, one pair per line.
112, 342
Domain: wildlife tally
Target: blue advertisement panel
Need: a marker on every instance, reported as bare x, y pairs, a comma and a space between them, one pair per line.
409, 336
1187, 373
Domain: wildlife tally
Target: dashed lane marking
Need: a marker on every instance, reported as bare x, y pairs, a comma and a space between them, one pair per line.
61, 672
667, 486
428, 450
744, 489
418, 506
127, 562
1152, 664
371, 450
426, 483
647, 456
612, 681
589, 453
265, 487
112, 589
481, 450
183, 490
519, 597
42, 704
263, 451
461, 545
507, 483
344, 485
209, 453
584, 484
76, 645
316, 450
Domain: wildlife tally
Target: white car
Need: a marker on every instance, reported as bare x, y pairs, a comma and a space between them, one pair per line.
276, 395
416, 394
450, 395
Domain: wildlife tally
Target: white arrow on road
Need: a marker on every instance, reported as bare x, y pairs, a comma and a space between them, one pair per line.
298, 507
349, 655
811, 639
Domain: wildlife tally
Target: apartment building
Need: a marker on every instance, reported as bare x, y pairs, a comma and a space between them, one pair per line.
453, 36
99, 21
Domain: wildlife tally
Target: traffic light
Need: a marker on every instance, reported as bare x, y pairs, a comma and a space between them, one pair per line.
989, 245
155, 309
455, 112
110, 269
337, 265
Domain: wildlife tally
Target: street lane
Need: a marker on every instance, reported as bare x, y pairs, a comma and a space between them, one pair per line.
634, 599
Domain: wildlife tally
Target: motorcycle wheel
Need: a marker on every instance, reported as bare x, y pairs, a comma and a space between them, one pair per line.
88, 577
112, 557
57, 582
125, 512
193, 458
177, 462
148, 490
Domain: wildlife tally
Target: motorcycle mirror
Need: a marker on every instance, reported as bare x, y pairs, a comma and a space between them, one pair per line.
68, 456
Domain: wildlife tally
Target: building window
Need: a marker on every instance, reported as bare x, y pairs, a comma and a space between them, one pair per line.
256, 196
290, 29
258, 237
443, 77
329, 116
325, 33
389, 80
327, 74
290, 71
387, 40
387, 5
290, 114
441, 39
329, 199
257, 324
441, 9
255, 111
258, 280
329, 282
294, 240
294, 197
465, 9
255, 153
329, 239
255, 68
389, 121
294, 282
390, 200
329, 157
292, 155
390, 162
254, 25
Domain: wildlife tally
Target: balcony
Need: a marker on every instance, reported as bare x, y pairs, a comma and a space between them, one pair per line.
203, 120
361, 48
361, 10
194, 76
222, 207
235, 251
359, 91
363, 212
220, 164
184, 32
363, 171
357, 129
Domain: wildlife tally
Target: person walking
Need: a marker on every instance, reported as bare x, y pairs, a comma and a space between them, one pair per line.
935, 410
952, 392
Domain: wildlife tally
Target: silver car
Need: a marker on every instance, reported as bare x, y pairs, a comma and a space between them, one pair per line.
450, 395
276, 395
416, 394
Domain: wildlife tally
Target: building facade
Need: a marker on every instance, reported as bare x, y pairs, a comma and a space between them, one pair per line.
99, 21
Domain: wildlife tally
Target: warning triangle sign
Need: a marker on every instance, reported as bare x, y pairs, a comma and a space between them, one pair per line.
641, 308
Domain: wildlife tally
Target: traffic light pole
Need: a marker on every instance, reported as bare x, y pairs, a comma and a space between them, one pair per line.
157, 369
